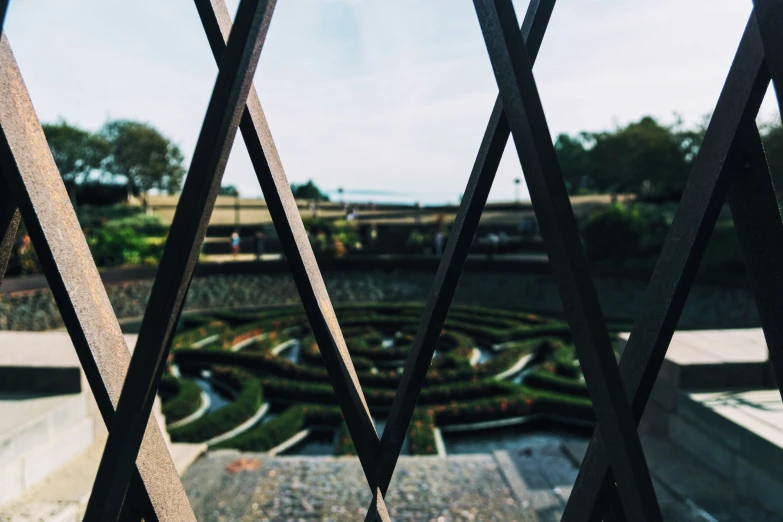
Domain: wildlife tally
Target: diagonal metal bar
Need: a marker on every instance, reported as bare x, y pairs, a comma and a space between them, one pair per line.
37, 188
9, 224
464, 229
552, 206
297, 249
3, 11
186, 235
9, 214
769, 17
763, 253
377, 511
680, 257
754, 208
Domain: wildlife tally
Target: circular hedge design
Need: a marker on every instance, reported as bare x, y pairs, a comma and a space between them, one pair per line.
489, 365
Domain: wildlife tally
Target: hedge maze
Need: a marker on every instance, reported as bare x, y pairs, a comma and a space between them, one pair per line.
489, 365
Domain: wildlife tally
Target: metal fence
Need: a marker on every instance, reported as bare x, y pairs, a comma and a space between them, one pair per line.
137, 479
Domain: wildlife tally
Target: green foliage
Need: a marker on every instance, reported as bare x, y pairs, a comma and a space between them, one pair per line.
421, 436
180, 397
77, 152
542, 379
246, 402
644, 158
333, 236
278, 430
308, 190
345, 444
270, 434
143, 157
228, 190
118, 244
613, 233
620, 232
455, 390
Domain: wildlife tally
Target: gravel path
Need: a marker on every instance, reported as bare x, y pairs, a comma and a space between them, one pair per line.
229, 486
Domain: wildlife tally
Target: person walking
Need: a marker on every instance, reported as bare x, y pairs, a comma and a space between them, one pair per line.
439, 243
235, 243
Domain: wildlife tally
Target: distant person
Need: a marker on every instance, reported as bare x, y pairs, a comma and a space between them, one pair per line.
235, 243
494, 244
259, 245
373, 236
439, 243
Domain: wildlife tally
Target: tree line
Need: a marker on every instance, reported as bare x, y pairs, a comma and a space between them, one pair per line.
131, 155
125, 153
647, 158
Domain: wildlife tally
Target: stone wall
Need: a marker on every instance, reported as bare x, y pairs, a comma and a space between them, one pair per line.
707, 306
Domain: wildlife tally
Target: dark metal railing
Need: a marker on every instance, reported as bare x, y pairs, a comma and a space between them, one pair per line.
137, 479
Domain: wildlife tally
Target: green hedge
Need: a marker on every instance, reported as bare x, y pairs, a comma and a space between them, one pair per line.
544, 380
272, 366
287, 391
421, 436
246, 403
273, 433
180, 397
344, 441
187, 337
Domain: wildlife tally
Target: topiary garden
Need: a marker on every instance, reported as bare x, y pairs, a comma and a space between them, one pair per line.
255, 380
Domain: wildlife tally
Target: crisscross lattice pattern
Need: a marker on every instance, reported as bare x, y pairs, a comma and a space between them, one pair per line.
137, 478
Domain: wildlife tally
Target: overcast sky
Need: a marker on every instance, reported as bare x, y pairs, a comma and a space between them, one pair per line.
376, 95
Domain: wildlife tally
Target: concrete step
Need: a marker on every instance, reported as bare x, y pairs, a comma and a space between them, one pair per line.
738, 434
62, 496
37, 435
689, 490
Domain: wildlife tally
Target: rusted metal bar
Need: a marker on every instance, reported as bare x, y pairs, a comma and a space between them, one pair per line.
756, 214
38, 190
186, 236
9, 224
513, 72
680, 257
769, 17
3, 11
297, 249
447, 277
377, 511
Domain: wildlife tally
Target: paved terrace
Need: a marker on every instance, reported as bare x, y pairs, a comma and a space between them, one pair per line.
528, 479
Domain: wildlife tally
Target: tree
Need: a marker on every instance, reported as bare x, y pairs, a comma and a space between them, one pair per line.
143, 157
308, 191
574, 162
77, 152
644, 158
228, 190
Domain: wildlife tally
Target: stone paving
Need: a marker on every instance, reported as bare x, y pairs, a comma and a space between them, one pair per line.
510, 476
224, 487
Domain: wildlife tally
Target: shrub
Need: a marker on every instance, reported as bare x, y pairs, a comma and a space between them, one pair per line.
543, 380
269, 434
245, 404
613, 233
273, 433
180, 397
421, 436
344, 442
